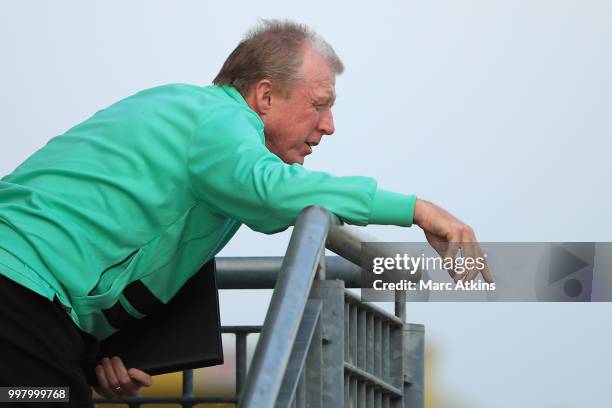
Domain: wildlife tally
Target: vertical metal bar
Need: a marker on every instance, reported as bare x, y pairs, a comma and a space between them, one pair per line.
354, 392
347, 331
187, 387
370, 397
400, 304
378, 347
379, 399
369, 367
361, 338
347, 391
241, 363
331, 293
362, 395
312, 381
385, 351
414, 365
353, 338
397, 357
386, 402
313, 376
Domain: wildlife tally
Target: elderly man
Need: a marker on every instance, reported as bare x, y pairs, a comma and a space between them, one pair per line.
136, 198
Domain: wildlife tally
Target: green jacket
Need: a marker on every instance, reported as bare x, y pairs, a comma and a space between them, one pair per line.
117, 213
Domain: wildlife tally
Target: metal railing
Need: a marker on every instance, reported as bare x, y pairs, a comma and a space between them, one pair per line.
319, 346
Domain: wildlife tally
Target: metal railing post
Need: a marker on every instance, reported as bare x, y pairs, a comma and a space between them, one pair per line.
187, 387
286, 309
241, 361
414, 365
331, 294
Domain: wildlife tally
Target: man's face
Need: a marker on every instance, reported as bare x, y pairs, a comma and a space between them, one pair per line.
295, 124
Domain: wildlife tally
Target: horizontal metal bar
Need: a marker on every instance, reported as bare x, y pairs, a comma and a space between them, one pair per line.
375, 381
262, 272
240, 329
379, 312
345, 242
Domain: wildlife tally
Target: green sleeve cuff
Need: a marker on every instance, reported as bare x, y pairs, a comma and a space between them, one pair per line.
390, 208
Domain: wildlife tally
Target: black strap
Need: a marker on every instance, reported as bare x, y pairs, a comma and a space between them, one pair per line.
142, 298
117, 316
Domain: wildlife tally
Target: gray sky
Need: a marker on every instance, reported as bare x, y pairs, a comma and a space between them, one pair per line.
498, 111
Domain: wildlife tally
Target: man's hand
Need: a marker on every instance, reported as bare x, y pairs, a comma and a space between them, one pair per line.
447, 235
116, 382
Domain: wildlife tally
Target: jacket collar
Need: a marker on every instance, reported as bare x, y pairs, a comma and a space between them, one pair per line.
237, 96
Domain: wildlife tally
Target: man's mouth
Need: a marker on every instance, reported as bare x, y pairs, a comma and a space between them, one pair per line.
310, 146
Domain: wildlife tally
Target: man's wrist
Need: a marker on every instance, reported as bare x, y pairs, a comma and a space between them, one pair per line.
418, 211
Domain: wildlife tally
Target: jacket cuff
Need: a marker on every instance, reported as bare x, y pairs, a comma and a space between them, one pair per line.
390, 208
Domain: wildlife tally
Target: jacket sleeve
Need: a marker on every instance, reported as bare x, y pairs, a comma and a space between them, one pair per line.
233, 172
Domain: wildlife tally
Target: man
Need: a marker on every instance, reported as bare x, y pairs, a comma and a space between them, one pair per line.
129, 204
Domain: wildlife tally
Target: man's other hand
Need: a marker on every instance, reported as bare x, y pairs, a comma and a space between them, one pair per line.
116, 382
447, 235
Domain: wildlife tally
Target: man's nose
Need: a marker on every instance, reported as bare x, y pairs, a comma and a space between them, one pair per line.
326, 123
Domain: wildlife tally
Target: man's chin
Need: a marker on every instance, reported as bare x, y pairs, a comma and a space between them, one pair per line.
295, 160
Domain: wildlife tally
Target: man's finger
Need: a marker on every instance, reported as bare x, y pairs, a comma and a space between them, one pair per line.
104, 388
474, 251
101, 377
113, 381
486, 272
128, 386
141, 377
442, 248
451, 253
470, 254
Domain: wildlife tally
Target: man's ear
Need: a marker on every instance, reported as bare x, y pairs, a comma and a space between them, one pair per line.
261, 96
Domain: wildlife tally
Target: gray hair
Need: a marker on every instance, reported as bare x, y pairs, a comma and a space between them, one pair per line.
273, 50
